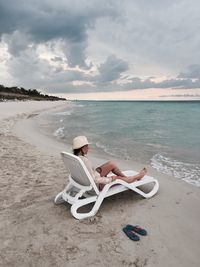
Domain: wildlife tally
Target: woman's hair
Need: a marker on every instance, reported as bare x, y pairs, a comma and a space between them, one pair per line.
78, 151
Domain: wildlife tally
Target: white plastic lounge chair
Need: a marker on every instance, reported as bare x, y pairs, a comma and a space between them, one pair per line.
82, 190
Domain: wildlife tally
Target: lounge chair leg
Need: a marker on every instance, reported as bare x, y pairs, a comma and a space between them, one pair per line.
83, 202
153, 191
58, 199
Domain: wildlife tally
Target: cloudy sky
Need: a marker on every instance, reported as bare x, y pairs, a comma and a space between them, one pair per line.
107, 48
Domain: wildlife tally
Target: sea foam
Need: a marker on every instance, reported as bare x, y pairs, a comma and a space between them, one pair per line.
186, 171
68, 113
59, 132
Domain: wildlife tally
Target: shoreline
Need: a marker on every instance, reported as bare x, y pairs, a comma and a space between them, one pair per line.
172, 158
28, 130
36, 232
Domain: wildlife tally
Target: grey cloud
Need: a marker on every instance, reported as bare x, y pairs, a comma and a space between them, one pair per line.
111, 69
137, 83
75, 53
156, 34
193, 72
38, 73
57, 59
44, 21
17, 42
153, 37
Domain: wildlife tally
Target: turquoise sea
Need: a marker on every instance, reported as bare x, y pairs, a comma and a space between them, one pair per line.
163, 134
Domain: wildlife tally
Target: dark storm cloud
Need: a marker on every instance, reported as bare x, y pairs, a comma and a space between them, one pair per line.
42, 21
111, 69
46, 20
90, 46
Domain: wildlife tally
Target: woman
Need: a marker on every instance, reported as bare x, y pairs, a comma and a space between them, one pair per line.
80, 149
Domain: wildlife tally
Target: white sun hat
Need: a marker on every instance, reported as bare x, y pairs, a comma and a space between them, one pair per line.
79, 142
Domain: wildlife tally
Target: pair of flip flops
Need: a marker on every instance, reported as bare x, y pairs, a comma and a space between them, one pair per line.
130, 231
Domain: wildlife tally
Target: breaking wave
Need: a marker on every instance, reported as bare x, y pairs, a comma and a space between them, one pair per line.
186, 171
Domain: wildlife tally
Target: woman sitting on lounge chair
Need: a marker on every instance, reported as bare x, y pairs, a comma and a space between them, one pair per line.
80, 149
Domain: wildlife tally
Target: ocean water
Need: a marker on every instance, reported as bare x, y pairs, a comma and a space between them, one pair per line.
163, 134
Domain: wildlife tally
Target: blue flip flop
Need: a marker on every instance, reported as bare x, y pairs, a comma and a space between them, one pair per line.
136, 228
130, 234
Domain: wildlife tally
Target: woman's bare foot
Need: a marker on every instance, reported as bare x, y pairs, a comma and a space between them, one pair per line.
131, 179
144, 170
142, 173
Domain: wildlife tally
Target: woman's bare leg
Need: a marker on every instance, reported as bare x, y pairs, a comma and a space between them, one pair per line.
107, 167
131, 179
110, 166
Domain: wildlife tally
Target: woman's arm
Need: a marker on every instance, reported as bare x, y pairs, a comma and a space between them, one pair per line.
96, 176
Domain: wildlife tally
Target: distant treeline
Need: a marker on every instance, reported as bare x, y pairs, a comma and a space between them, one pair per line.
19, 93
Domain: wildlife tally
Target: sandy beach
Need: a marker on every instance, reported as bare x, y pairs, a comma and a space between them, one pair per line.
36, 232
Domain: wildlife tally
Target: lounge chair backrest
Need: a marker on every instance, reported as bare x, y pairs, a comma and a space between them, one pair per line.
78, 170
